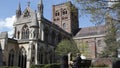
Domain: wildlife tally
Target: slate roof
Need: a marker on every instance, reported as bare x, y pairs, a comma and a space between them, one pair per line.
34, 22
24, 19
90, 31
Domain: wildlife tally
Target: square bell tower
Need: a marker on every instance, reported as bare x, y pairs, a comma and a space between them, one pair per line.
65, 15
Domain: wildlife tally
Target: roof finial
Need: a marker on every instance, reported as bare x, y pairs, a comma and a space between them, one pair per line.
18, 11
40, 7
28, 3
40, 2
19, 6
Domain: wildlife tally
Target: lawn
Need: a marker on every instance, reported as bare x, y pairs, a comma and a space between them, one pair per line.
99, 67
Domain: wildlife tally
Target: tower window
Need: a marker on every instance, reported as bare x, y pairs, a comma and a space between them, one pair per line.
64, 25
64, 11
57, 13
57, 19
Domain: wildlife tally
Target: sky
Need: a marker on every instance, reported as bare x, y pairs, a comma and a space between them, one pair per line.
8, 11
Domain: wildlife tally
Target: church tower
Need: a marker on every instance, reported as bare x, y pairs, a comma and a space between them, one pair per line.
65, 15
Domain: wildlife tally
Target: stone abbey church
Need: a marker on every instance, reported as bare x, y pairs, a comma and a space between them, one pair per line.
35, 37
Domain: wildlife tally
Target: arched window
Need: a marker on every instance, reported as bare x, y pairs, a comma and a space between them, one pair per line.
57, 13
33, 47
50, 56
34, 34
53, 37
46, 34
40, 55
49, 35
25, 32
11, 58
64, 11
33, 59
22, 58
18, 36
64, 25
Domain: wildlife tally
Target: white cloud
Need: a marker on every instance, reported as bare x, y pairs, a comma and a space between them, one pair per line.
7, 25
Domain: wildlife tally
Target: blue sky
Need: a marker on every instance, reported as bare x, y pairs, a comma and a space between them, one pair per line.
8, 9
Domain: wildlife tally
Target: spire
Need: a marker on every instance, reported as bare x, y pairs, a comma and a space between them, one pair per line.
40, 7
18, 11
19, 6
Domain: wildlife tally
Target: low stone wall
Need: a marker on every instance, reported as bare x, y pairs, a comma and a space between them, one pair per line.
102, 62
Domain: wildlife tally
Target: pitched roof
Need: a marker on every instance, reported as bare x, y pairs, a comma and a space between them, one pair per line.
90, 31
27, 16
34, 22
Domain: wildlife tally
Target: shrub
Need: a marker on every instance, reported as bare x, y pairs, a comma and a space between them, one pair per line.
37, 66
9, 67
54, 65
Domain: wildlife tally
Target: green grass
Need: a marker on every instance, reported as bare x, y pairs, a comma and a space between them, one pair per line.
99, 67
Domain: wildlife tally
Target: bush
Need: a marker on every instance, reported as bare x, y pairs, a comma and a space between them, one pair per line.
9, 67
37, 66
54, 65
66, 46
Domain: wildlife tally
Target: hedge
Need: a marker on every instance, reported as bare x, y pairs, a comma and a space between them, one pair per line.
54, 65
9, 67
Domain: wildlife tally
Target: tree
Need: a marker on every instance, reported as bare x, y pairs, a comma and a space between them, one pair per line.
83, 48
98, 9
66, 46
110, 40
